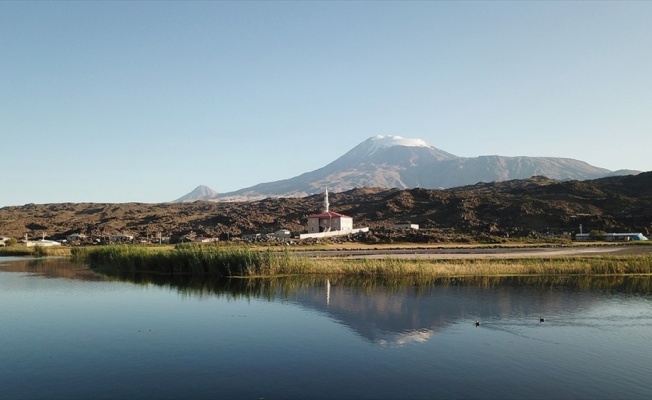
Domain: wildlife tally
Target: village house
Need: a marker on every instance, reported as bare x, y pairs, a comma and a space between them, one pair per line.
250, 237
282, 234
76, 237
121, 238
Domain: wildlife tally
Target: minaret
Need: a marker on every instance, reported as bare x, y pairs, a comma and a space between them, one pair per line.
326, 201
328, 292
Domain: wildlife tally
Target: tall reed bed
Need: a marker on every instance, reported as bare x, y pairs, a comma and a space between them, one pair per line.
245, 261
195, 259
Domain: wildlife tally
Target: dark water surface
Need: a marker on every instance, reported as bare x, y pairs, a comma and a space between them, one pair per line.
69, 333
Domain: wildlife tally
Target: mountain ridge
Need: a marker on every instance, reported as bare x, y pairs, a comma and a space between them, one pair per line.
397, 162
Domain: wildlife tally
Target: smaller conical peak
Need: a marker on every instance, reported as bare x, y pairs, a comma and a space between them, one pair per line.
203, 189
201, 192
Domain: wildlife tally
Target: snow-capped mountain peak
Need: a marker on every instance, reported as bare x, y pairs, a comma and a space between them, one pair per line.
380, 142
397, 162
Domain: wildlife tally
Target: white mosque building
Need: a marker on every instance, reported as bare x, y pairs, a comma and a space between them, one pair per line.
329, 223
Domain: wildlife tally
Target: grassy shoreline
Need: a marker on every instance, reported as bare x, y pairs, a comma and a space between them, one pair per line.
34, 251
40, 251
241, 261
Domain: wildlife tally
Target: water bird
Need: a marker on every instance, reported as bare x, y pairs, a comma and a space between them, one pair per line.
541, 319
477, 323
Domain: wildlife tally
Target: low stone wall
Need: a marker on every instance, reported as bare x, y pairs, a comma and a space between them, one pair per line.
332, 233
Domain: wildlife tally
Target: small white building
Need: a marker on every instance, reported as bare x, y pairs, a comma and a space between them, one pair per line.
329, 223
203, 239
613, 237
4, 240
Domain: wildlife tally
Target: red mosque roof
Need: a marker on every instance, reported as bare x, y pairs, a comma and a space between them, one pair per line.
329, 214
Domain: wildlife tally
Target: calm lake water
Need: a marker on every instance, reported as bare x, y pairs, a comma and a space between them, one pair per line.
69, 333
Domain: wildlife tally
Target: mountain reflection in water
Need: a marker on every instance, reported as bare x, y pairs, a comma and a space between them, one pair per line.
396, 312
382, 311
85, 334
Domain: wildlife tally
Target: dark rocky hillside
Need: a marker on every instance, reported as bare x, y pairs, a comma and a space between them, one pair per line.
517, 208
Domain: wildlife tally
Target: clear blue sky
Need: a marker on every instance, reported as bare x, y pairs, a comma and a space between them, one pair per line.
143, 101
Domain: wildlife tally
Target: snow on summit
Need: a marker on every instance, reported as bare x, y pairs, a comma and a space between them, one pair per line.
380, 142
389, 141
